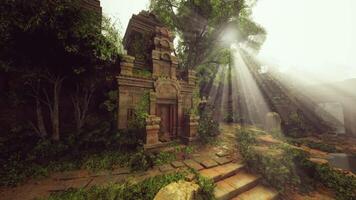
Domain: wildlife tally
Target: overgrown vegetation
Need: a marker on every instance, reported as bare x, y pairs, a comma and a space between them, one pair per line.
286, 167
274, 163
101, 150
208, 127
144, 190
343, 184
314, 145
57, 64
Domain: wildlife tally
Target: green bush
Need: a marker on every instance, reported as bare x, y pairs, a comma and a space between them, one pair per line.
105, 160
138, 122
277, 165
141, 161
206, 188
164, 157
344, 185
208, 127
293, 168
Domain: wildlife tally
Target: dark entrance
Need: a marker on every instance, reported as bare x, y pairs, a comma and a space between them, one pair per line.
167, 113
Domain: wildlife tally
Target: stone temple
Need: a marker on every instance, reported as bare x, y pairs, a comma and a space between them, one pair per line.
151, 68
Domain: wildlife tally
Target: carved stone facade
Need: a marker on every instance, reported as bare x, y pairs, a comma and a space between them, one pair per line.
150, 51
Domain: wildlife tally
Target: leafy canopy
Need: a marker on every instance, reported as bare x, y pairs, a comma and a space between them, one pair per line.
56, 35
200, 25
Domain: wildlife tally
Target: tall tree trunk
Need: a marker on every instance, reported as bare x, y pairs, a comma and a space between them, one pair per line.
40, 128
53, 105
81, 104
40, 121
55, 113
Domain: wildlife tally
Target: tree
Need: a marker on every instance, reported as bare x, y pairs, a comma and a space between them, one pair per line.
200, 25
55, 41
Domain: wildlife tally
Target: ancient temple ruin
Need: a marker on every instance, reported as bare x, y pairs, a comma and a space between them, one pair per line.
151, 68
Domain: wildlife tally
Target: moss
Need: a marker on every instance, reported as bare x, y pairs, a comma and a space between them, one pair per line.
142, 73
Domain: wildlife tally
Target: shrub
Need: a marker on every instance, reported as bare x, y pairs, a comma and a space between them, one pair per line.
344, 185
208, 127
206, 188
277, 164
293, 168
163, 158
138, 122
141, 161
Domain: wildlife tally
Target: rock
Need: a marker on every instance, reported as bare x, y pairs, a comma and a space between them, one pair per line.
273, 122
181, 190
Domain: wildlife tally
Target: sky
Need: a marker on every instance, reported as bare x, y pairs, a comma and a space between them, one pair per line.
315, 38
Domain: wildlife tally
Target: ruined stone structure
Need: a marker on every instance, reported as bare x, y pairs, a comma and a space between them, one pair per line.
151, 68
92, 5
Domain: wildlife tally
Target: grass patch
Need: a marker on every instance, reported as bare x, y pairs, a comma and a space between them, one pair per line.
314, 145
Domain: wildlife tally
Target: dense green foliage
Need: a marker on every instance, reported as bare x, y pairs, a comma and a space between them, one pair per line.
144, 190
101, 150
201, 26
57, 60
343, 184
47, 35
140, 113
284, 166
208, 127
277, 164
206, 188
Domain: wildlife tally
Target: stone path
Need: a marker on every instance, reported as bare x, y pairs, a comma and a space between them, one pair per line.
220, 162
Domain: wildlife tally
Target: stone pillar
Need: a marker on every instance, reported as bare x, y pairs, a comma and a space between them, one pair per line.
191, 128
152, 129
273, 122
180, 116
127, 65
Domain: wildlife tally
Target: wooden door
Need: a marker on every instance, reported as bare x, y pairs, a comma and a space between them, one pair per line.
164, 114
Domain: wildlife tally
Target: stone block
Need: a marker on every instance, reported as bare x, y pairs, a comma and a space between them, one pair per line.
177, 164
165, 168
193, 164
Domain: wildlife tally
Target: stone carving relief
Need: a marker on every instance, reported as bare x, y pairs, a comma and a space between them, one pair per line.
167, 88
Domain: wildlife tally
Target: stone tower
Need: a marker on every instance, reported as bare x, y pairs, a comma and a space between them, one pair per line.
151, 68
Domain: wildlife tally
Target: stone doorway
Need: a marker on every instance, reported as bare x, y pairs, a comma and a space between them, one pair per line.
167, 114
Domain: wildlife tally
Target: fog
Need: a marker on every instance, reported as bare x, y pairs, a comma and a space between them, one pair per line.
310, 38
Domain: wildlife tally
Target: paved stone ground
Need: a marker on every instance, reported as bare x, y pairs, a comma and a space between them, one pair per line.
219, 161
203, 157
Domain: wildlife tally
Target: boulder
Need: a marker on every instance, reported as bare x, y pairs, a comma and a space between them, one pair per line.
181, 190
273, 122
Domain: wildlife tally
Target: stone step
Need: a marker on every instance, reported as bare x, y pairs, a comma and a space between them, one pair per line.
223, 171
260, 192
237, 184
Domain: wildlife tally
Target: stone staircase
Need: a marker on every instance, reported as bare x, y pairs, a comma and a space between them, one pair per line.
233, 182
